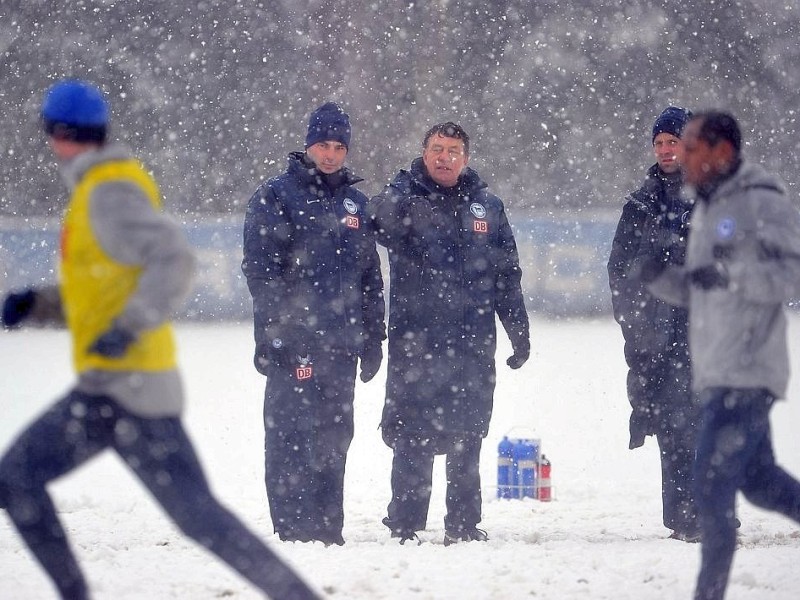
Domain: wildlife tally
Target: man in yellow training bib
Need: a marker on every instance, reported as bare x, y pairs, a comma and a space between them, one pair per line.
124, 269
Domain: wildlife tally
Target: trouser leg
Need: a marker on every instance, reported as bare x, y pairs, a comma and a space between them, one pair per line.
75, 429
677, 410
288, 427
677, 453
463, 485
768, 486
161, 455
332, 435
735, 425
412, 476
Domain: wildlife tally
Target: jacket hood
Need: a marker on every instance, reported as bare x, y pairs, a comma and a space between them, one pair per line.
748, 176
469, 182
310, 175
72, 170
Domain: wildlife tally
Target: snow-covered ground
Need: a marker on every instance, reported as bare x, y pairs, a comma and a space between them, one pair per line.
600, 538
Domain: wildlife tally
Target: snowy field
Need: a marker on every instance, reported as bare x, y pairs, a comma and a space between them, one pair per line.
601, 538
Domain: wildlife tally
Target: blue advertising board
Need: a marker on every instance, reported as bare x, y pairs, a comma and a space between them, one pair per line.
563, 259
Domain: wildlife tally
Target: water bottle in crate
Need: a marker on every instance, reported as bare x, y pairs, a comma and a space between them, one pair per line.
506, 473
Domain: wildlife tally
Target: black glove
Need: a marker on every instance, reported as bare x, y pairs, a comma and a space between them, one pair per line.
710, 277
17, 307
652, 268
263, 358
284, 346
519, 358
371, 357
113, 343
638, 428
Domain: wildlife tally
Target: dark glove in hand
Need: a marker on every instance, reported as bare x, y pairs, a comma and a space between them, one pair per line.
263, 357
17, 307
638, 429
113, 343
283, 347
519, 358
652, 268
371, 357
710, 277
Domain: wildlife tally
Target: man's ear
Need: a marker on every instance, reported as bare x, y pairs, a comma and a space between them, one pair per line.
724, 155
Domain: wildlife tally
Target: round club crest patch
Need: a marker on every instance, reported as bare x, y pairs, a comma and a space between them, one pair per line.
350, 206
726, 227
478, 210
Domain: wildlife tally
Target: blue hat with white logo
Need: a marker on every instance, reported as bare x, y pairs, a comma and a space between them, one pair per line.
75, 110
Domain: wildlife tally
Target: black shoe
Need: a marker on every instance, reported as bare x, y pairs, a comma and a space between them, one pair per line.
682, 536
408, 536
402, 533
295, 537
331, 539
465, 535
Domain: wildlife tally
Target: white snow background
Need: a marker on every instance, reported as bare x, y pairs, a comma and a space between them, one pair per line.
600, 538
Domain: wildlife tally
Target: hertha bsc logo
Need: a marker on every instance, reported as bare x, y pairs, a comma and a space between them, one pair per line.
350, 206
303, 373
477, 209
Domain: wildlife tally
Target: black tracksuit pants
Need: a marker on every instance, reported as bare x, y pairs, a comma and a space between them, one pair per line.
308, 426
412, 476
734, 452
158, 451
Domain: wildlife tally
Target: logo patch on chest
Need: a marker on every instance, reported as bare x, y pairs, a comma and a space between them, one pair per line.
479, 225
350, 206
303, 372
351, 220
477, 209
726, 227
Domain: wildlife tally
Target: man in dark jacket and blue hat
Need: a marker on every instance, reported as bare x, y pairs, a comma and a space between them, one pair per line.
654, 226
314, 273
453, 267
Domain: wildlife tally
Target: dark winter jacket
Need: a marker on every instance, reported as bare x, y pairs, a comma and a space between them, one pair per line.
311, 262
453, 266
653, 225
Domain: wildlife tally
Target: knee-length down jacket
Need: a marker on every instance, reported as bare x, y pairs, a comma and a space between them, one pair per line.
453, 267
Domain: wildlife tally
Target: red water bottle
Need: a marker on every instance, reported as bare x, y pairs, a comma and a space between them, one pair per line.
545, 487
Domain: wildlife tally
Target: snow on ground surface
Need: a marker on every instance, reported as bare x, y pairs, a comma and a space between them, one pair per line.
600, 538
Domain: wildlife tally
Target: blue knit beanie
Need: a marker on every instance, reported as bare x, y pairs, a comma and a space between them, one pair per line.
672, 120
328, 123
75, 110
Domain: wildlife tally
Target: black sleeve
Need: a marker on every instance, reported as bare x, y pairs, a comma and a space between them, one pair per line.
510, 303
373, 305
267, 243
629, 296
400, 220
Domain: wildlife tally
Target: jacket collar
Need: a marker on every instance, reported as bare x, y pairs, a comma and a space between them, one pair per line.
469, 182
73, 170
308, 174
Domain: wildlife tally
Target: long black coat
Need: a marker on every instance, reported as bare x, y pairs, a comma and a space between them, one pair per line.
453, 267
653, 225
311, 262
